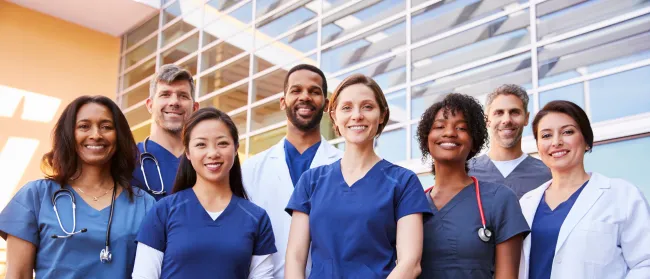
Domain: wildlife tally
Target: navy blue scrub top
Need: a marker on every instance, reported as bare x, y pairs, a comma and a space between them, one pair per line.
196, 246
168, 167
298, 163
353, 229
545, 231
452, 248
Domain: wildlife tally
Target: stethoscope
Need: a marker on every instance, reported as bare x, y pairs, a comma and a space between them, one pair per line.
144, 156
483, 232
105, 256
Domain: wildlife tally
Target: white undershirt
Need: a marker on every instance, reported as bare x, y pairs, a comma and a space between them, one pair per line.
148, 261
506, 167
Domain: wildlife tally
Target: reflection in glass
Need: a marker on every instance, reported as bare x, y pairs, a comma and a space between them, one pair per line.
285, 20
264, 141
180, 28
363, 47
190, 65
397, 106
277, 53
387, 73
222, 52
626, 159
141, 52
142, 32
178, 8
141, 133
137, 115
559, 16
617, 44
240, 122
620, 95
241, 151
229, 100
223, 26
358, 16
266, 115
269, 84
475, 81
498, 36
182, 49
224, 76
390, 145
136, 95
573, 93
139, 73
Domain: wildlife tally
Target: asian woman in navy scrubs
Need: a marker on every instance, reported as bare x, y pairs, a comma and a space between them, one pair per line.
207, 227
362, 215
457, 242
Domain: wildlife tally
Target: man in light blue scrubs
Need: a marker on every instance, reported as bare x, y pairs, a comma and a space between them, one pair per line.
170, 102
505, 163
270, 177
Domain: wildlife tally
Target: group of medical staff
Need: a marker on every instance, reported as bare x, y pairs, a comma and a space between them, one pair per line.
181, 205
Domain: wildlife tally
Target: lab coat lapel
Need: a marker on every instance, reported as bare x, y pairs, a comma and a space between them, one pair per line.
588, 197
278, 160
324, 154
529, 203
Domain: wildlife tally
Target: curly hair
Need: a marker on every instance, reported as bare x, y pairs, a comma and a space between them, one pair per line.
454, 103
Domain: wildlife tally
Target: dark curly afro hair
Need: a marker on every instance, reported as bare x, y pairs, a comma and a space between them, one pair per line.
455, 103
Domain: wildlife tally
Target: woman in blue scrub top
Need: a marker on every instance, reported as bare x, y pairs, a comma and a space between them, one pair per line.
453, 131
207, 227
584, 224
361, 214
88, 172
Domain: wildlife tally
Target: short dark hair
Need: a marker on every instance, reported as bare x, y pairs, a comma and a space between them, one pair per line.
62, 162
455, 103
186, 174
171, 73
310, 68
572, 110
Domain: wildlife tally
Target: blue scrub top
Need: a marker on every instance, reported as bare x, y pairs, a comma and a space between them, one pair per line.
298, 163
528, 175
168, 166
545, 231
195, 246
30, 216
452, 248
353, 229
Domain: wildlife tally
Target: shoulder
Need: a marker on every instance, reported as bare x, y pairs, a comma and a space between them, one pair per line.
618, 185
255, 160
323, 170
396, 172
537, 163
143, 196
36, 189
251, 209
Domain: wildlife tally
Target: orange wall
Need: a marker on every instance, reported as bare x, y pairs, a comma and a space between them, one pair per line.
43, 55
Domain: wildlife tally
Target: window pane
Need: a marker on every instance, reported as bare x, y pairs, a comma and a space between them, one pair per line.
267, 114
475, 81
387, 73
241, 151
143, 31
141, 133
181, 7
620, 95
269, 84
426, 179
141, 52
229, 100
223, 26
266, 140
274, 55
616, 45
397, 106
630, 157
137, 115
182, 49
224, 50
284, 50
573, 93
240, 122
141, 72
560, 16
416, 153
363, 47
136, 95
498, 36
285, 20
326, 128
190, 65
358, 16
528, 130
224, 76
178, 29
390, 145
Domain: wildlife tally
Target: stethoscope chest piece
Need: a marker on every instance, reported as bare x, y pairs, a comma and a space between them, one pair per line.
484, 234
105, 256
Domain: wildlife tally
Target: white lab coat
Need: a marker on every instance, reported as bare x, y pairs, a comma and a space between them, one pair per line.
268, 183
605, 235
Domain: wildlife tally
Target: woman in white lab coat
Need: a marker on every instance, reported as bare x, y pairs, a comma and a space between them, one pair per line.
583, 225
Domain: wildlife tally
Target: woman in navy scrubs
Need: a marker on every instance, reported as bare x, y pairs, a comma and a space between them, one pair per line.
470, 235
207, 227
361, 214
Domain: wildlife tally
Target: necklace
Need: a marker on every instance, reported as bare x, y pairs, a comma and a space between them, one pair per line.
95, 198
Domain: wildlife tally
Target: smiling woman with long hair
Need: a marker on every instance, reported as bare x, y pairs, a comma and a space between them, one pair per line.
207, 227
57, 226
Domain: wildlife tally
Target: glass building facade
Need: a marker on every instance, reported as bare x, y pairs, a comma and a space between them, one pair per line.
594, 53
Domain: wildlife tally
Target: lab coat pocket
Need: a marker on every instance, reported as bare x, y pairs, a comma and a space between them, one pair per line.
600, 242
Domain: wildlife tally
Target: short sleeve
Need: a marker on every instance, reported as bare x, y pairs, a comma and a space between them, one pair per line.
153, 230
509, 220
20, 217
300, 199
265, 242
412, 199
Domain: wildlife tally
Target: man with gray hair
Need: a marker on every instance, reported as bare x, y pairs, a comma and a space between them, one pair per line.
170, 102
506, 163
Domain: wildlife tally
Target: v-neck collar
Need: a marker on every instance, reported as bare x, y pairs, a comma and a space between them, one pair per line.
455, 200
205, 217
371, 173
91, 211
563, 204
495, 169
